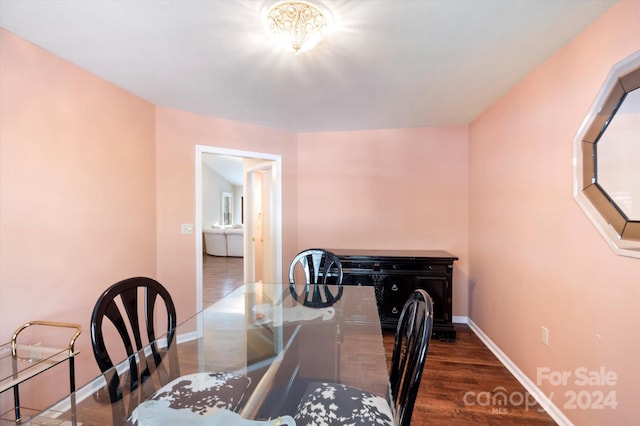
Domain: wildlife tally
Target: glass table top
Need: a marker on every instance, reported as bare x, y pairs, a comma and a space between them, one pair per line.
261, 332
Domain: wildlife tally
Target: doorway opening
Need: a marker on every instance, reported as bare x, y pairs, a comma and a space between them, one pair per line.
258, 203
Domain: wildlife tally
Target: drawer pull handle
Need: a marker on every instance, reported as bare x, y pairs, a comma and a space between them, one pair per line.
394, 310
394, 288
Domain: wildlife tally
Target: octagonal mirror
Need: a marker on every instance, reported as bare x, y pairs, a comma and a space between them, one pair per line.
607, 159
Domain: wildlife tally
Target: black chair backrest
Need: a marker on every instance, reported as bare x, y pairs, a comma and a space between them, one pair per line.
321, 269
134, 320
409, 353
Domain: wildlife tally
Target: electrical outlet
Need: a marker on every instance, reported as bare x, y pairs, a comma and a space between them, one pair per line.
545, 335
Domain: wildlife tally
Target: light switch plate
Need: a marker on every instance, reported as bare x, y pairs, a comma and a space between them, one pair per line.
545, 335
186, 228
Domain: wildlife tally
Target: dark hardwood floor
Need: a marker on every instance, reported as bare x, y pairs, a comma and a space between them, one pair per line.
462, 383
461, 380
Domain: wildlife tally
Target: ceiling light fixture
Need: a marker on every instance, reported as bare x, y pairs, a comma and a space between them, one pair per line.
298, 24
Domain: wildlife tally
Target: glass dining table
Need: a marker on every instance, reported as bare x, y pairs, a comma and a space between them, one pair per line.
262, 332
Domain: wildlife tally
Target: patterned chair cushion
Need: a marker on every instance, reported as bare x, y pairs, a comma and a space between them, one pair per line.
327, 404
200, 393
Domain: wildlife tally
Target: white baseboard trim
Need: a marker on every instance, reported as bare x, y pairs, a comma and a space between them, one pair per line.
186, 337
528, 384
459, 319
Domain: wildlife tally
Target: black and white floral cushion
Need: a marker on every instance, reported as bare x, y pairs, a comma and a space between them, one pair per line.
200, 393
328, 404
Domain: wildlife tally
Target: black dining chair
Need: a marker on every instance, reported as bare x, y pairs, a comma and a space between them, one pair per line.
320, 273
315, 281
336, 404
133, 307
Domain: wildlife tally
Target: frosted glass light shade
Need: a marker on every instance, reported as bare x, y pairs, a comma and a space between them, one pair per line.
298, 24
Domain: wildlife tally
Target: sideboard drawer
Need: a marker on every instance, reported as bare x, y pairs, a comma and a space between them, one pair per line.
357, 265
357, 279
395, 289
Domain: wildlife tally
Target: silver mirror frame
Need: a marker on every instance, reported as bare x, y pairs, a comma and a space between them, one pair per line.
622, 234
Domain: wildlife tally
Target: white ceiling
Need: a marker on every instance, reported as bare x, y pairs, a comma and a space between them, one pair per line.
228, 167
388, 64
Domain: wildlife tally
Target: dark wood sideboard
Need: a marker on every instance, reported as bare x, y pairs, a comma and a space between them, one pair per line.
396, 273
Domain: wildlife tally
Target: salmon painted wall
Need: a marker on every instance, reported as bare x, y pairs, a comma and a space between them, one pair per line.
535, 258
403, 189
77, 200
177, 134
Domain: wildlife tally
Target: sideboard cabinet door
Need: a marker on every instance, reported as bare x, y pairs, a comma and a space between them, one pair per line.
439, 289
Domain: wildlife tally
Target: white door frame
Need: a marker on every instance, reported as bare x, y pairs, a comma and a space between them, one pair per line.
277, 205
255, 182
